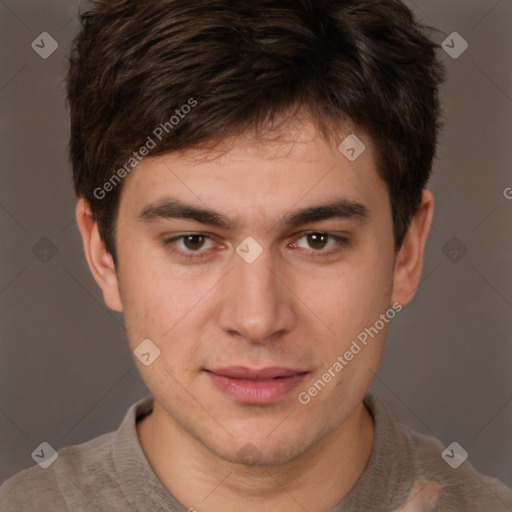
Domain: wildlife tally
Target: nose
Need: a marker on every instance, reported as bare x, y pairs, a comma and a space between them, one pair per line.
257, 303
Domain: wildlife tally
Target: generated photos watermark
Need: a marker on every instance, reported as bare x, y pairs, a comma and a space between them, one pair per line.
145, 149
304, 397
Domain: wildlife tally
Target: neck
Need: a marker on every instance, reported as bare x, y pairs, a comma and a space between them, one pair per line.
317, 480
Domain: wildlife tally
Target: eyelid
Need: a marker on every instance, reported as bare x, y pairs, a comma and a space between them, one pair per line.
341, 241
175, 238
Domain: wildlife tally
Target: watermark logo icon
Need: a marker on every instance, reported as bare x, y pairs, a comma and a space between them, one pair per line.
454, 249
249, 454
44, 45
45, 455
249, 250
352, 147
147, 352
454, 455
44, 249
455, 45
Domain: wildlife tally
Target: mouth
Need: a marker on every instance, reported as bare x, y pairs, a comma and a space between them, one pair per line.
256, 386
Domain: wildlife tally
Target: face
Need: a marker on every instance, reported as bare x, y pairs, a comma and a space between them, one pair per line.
264, 290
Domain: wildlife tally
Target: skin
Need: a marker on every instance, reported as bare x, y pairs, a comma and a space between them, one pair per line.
287, 308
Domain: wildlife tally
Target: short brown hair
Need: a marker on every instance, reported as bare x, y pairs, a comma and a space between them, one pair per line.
134, 64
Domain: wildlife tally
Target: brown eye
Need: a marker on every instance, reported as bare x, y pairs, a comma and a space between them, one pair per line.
193, 242
189, 245
317, 240
318, 243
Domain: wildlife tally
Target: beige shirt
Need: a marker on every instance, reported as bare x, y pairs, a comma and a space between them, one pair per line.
405, 473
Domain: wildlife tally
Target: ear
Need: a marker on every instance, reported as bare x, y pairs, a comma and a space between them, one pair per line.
99, 259
409, 260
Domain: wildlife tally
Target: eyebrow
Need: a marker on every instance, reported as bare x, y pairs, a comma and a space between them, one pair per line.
170, 208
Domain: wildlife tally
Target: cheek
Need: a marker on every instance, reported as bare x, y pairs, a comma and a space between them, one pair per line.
145, 294
167, 309
351, 298
154, 306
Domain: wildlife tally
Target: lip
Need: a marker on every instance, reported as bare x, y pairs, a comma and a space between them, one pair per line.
242, 372
251, 386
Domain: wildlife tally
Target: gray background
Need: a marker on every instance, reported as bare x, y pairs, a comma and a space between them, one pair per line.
66, 371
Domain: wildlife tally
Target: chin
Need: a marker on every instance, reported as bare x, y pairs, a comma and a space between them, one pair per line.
260, 452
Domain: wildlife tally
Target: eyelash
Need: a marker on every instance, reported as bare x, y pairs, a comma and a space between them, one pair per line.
201, 254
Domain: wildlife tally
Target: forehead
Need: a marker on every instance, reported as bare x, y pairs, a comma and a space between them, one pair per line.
248, 178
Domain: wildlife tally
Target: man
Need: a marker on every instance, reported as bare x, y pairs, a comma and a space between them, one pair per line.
251, 180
